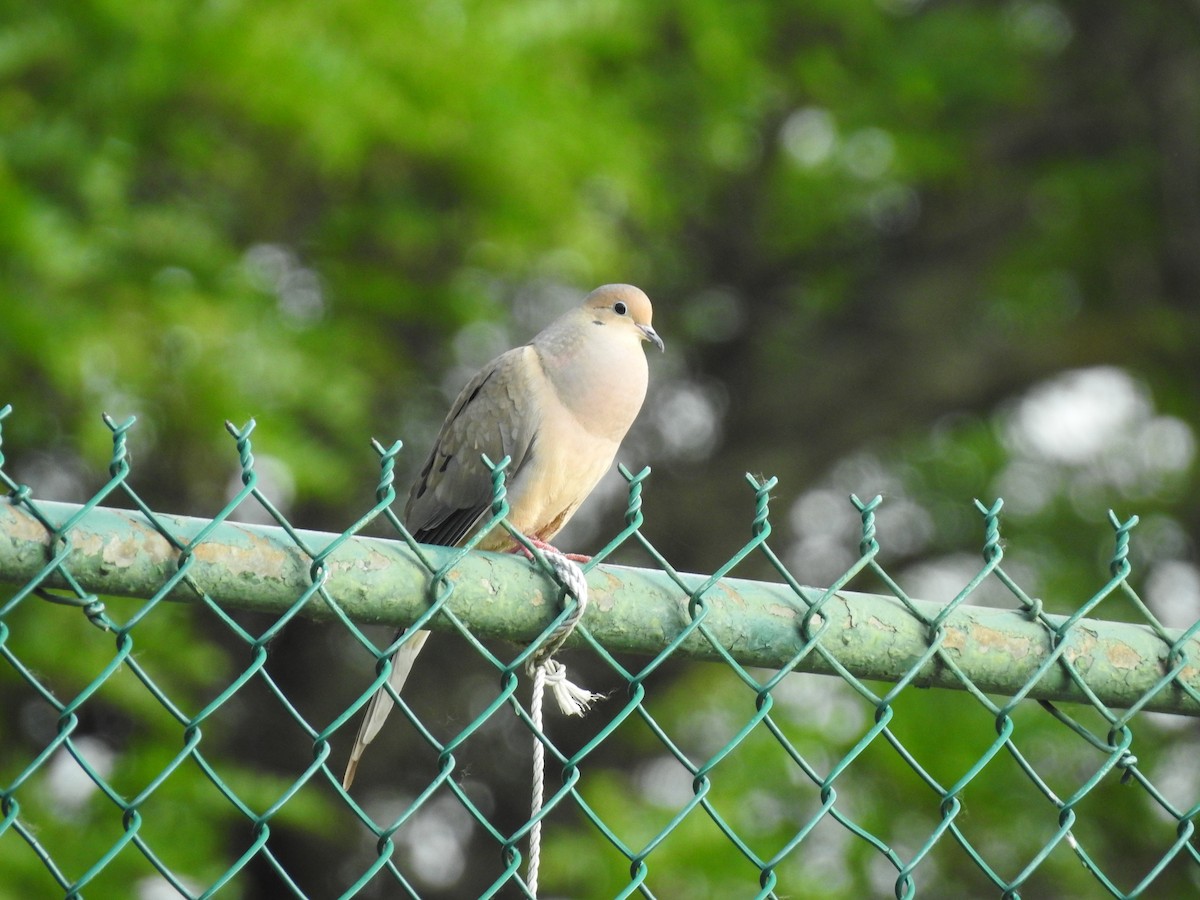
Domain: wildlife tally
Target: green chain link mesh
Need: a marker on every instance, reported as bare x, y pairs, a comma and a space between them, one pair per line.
1066, 772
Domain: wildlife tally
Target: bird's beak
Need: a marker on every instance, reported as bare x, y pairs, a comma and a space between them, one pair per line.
651, 335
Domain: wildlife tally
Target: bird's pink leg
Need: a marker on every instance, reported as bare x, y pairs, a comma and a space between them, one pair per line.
543, 545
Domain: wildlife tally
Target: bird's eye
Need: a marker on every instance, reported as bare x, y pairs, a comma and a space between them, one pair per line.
620, 308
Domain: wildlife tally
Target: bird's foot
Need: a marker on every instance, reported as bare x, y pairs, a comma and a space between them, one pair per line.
543, 545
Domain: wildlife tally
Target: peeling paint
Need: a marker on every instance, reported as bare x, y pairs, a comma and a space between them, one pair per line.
85, 542
876, 623
261, 559
734, 598
24, 527
1122, 656
1082, 650
122, 552
602, 587
995, 640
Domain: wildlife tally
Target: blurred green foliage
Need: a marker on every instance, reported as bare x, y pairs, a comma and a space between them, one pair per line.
934, 250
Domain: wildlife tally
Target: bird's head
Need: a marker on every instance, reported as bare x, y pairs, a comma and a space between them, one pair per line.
623, 306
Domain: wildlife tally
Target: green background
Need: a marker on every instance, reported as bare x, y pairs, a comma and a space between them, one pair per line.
932, 250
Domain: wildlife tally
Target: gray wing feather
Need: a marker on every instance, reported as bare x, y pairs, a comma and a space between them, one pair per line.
494, 414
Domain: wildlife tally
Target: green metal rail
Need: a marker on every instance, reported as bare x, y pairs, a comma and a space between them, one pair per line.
878, 637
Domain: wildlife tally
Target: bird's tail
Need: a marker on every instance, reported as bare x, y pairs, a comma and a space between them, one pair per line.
381, 704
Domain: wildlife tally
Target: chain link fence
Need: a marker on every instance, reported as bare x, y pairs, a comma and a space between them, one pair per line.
179, 695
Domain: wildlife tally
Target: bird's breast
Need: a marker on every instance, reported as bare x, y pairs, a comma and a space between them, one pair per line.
602, 392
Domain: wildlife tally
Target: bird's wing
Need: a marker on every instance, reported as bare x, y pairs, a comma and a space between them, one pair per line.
497, 413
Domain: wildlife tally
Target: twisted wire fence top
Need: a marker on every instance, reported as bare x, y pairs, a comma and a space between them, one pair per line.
179, 694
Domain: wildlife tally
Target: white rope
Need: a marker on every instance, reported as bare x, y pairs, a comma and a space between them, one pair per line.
572, 699
539, 779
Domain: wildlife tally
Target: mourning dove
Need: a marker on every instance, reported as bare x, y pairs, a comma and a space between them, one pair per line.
558, 407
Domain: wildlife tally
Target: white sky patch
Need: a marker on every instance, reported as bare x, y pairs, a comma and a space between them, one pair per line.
869, 153
1074, 417
810, 136
1173, 592
70, 786
436, 841
687, 416
1088, 433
